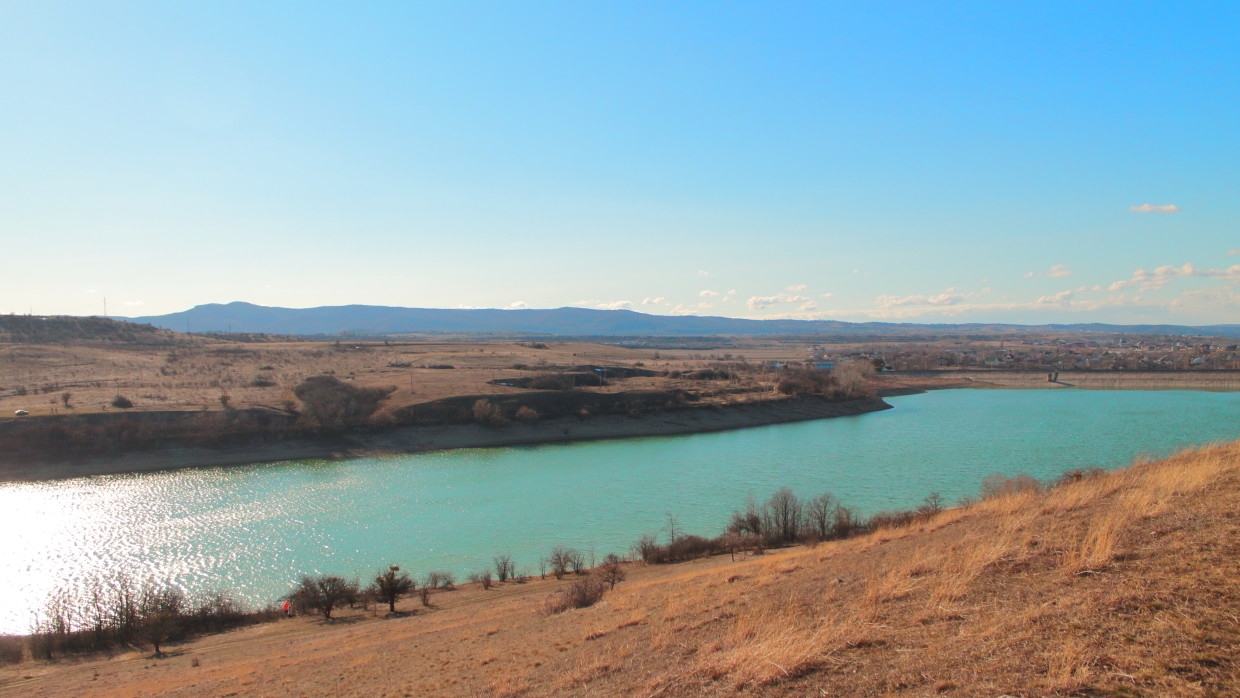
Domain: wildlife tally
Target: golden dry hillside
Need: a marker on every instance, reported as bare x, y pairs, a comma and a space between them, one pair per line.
1122, 584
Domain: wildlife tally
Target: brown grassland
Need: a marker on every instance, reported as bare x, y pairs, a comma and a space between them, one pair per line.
1118, 584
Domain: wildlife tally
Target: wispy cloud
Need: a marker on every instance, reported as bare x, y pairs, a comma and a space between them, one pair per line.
808, 307
1030, 274
1161, 276
796, 288
1155, 208
947, 297
614, 305
703, 272
1233, 252
760, 302
655, 301
707, 293
1059, 299
1059, 271
518, 305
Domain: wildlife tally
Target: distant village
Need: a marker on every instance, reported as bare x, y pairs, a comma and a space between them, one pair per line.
1115, 353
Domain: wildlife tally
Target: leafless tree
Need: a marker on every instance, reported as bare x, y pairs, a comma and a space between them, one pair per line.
505, 568
820, 515
392, 584
783, 512
324, 593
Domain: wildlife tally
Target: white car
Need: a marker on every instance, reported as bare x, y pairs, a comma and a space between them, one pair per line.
21, 413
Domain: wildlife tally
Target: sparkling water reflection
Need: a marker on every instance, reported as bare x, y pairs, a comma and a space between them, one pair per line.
254, 530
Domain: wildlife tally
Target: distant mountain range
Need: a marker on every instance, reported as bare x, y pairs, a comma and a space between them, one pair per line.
372, 320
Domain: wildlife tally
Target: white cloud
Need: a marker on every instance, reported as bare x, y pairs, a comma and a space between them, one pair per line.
1161, 276
1230, 253
1060, 298
707, 293
760, 302
706, 305
703, 272
1151, 208
796, 288
654, 301
614, 305
682, 310
826, 295
1030, 274
518, 305
947, 297
809, 306
731, 292
1059, 271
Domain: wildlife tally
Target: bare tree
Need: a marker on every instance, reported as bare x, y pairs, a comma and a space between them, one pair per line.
389, 586
783, 513
673, 531
748, 522
505, 568
482, 577
162, 613
564, 558
820, 515
932, 505
612, 572
324, 593
440, 578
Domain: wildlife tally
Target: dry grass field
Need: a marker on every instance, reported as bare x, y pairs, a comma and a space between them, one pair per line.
1122, 584
195, 373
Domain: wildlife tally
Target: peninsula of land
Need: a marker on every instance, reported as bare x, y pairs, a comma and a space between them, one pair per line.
85, 396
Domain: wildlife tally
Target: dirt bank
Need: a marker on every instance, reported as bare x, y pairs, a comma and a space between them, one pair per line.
689, 420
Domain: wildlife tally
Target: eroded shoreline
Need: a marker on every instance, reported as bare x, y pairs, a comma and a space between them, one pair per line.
450, 436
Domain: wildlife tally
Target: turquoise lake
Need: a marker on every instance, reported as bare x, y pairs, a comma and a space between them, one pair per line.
254, 530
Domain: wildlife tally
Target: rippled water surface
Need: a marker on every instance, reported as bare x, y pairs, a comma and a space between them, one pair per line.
255, 529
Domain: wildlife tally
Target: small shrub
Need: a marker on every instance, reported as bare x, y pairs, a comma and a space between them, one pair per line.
583, 593
527, 414
999, 485
332, 402
440, 579
482, 577
122, 402
488, 413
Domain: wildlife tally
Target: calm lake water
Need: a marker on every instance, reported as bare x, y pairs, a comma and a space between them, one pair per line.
254, 530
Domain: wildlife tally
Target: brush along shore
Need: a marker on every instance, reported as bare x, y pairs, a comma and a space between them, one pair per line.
1110, 584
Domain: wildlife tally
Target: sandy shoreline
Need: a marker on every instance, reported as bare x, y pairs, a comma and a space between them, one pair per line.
442, 437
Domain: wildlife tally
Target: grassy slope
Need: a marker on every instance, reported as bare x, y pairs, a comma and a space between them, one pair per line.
1125, 584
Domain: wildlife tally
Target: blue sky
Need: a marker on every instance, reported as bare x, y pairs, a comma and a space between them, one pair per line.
991, 162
